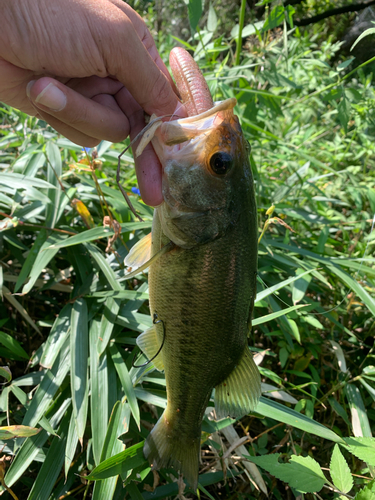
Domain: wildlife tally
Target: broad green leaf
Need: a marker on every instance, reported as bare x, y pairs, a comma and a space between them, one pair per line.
5, 373
118, 464
284, 414
79, 353
248, 30
126, 382
301, 473
14, 431
12, 344
362, 447
340, 471
367, 32
52, 465
211, 19
275, 17
360, 422
367, 493
195, 13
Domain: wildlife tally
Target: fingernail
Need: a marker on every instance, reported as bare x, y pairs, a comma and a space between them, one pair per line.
52, 97
28, 87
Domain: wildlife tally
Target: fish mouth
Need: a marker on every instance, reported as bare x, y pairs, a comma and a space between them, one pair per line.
186, 137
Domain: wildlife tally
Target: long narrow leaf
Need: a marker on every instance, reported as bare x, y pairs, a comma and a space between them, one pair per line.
126, 382
79, 353
284, 414
99, 392
51, 467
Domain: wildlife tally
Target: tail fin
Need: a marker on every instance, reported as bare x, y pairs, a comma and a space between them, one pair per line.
165, 447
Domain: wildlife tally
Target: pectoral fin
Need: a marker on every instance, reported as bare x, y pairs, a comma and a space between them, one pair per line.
139, 256
240, 392
139, 253
149, 343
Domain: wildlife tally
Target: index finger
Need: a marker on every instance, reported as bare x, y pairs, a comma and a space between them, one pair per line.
132, 57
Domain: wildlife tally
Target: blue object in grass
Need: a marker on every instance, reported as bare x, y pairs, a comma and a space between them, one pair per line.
136, 191
87, 150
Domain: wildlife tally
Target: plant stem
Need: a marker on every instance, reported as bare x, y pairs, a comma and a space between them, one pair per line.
239, 37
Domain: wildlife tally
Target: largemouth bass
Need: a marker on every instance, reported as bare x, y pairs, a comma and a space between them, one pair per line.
202, 272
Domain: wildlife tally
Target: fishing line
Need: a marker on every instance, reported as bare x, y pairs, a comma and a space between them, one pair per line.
347, 291
155, 321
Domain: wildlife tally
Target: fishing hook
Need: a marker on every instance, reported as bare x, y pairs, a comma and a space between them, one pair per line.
155, 321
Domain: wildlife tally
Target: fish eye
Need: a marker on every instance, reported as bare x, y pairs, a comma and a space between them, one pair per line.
221, 163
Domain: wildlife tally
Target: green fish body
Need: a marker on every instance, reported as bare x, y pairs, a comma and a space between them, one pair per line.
202, 285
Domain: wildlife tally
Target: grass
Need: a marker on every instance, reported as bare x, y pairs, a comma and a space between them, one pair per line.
69, 321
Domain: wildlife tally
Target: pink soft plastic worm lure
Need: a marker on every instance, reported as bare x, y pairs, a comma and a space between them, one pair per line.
193, 88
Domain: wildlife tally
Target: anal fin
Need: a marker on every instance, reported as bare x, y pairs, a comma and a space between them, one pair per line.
240, 391
149, 343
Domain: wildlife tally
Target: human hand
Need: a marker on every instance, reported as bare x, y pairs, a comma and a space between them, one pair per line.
90, 68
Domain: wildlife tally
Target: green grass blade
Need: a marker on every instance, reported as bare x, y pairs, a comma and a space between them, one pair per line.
51, 467
47, 389
30, 259
43, 258
79, 353
71, 445
10, 343
118, 464
19, 181
97, 233
104, 266
99, 392
360, 422
111, 309
277, 314
57, 337
356, 287
112, 446
14, 302
126, 382
54, 172
284, 414
32, 447
268, 291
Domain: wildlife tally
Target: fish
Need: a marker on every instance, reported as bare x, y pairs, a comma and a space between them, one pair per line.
202, 260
